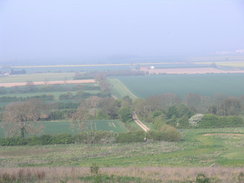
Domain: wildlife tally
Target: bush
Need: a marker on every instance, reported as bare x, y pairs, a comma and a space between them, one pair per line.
13, 141
214, 121
240, 177
96, 137
131, 137
63, 139
94, 169
201, 178
166, 133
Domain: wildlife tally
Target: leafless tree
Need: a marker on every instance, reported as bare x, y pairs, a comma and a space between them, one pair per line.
19, 117
81, 116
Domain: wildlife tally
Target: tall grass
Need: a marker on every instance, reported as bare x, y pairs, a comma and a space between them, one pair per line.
122, 175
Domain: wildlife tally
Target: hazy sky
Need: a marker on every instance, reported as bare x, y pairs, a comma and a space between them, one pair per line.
55, 31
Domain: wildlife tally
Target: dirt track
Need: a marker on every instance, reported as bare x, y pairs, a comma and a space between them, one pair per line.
139, 123
47, 83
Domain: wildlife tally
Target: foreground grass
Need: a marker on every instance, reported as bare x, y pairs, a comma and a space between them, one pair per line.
121, 175
200, 147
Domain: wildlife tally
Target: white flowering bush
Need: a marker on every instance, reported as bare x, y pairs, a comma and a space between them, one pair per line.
194, 120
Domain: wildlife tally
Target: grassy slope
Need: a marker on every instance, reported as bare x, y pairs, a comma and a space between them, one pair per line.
119, 90
195, 150
209, 84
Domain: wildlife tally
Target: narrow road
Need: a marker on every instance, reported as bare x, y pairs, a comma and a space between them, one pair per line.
139, 123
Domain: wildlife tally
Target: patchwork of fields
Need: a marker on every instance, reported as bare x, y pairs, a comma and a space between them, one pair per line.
222, 148
209, 84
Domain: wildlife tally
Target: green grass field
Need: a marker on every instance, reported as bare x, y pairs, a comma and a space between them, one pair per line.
209, 84
107, 125
66, 127
199, 147
37, 77
119, 90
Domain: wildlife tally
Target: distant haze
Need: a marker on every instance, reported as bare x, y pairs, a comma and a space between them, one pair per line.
83, 31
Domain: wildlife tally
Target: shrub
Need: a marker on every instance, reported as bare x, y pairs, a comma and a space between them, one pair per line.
240, 177
214, 121
96, 137
131, 137
201, 178
63, 139
13, 141
166, 133
94, 169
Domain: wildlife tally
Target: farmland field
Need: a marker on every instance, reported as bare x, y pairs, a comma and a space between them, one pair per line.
63, 82
120, 90
200, 147
66, 127
107, 125
209, 84
238, 64
37, 77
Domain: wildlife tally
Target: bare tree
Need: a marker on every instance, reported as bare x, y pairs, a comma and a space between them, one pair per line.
81, 116
103, 82
19, 117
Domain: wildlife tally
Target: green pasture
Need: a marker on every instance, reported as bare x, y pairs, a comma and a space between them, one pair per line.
67, 127
120, 90
198, 148
106, 125
37, 77
207, 84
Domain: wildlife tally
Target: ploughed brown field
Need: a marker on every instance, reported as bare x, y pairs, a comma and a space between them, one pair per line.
47, 83
207, 70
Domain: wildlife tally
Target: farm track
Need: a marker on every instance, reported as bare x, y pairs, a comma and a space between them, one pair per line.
47, 83
139, 123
